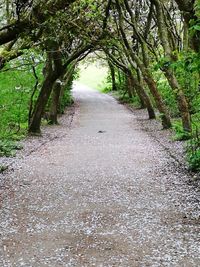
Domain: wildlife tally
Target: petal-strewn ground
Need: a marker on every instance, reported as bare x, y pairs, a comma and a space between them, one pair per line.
104, 193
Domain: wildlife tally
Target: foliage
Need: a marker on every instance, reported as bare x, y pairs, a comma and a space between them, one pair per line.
17, 82
67, 99
8, 148
193, 146
3, 168
187, 69
193, 156
193, 152
166, 92
180, 134
16, 88
121, 94
195, 22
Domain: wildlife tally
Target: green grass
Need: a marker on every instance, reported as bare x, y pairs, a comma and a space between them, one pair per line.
16, 87
93, 75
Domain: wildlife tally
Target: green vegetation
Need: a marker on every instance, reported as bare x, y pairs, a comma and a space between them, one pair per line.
18, 83
16, 89
193, 145
193, 153
8, 148
121, 92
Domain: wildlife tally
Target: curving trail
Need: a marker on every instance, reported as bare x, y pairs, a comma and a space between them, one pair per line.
104, 194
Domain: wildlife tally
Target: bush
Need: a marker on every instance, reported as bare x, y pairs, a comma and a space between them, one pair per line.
16, 88
180, 134
8, 148
17, 83
193, 146
193, 154
66, 100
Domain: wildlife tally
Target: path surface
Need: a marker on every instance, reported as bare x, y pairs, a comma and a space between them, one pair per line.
104, 194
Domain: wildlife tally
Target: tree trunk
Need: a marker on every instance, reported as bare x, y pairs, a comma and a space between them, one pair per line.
52, 74
165, 118
136, 85
140, 81
112, 72
181, 100
34, 126
173, 82
144, 97
119, 77
8, 11
53, 111
187, 8
185, 37
129, 85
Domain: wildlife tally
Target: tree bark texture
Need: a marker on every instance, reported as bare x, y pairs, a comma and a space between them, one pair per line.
113, 77
172, 80
53, 72
53, 111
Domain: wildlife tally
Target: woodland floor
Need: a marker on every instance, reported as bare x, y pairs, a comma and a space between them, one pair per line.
101, 189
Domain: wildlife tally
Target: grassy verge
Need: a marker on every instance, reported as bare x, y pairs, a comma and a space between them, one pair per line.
16, 88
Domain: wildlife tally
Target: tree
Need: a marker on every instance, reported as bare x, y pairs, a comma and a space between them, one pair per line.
142, 64
169, 57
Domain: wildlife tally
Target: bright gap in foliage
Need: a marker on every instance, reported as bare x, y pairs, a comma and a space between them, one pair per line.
93, 74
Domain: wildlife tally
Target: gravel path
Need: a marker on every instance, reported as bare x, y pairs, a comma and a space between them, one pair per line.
104, 193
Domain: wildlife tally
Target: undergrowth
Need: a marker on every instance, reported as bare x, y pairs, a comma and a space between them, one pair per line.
193, 145
8, 148
20, 88
17, 84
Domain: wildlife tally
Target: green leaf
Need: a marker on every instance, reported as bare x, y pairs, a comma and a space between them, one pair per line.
196, 27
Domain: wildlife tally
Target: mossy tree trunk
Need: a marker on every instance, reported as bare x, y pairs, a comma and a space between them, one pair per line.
113, 76
53, 110
53, 72
144, 98
141, 64
169, 74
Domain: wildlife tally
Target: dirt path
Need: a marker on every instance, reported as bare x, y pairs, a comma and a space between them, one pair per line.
103, 194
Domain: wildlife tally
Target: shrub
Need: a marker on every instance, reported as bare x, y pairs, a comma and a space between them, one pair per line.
193, 154
8, 148
180, 134
193, 146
